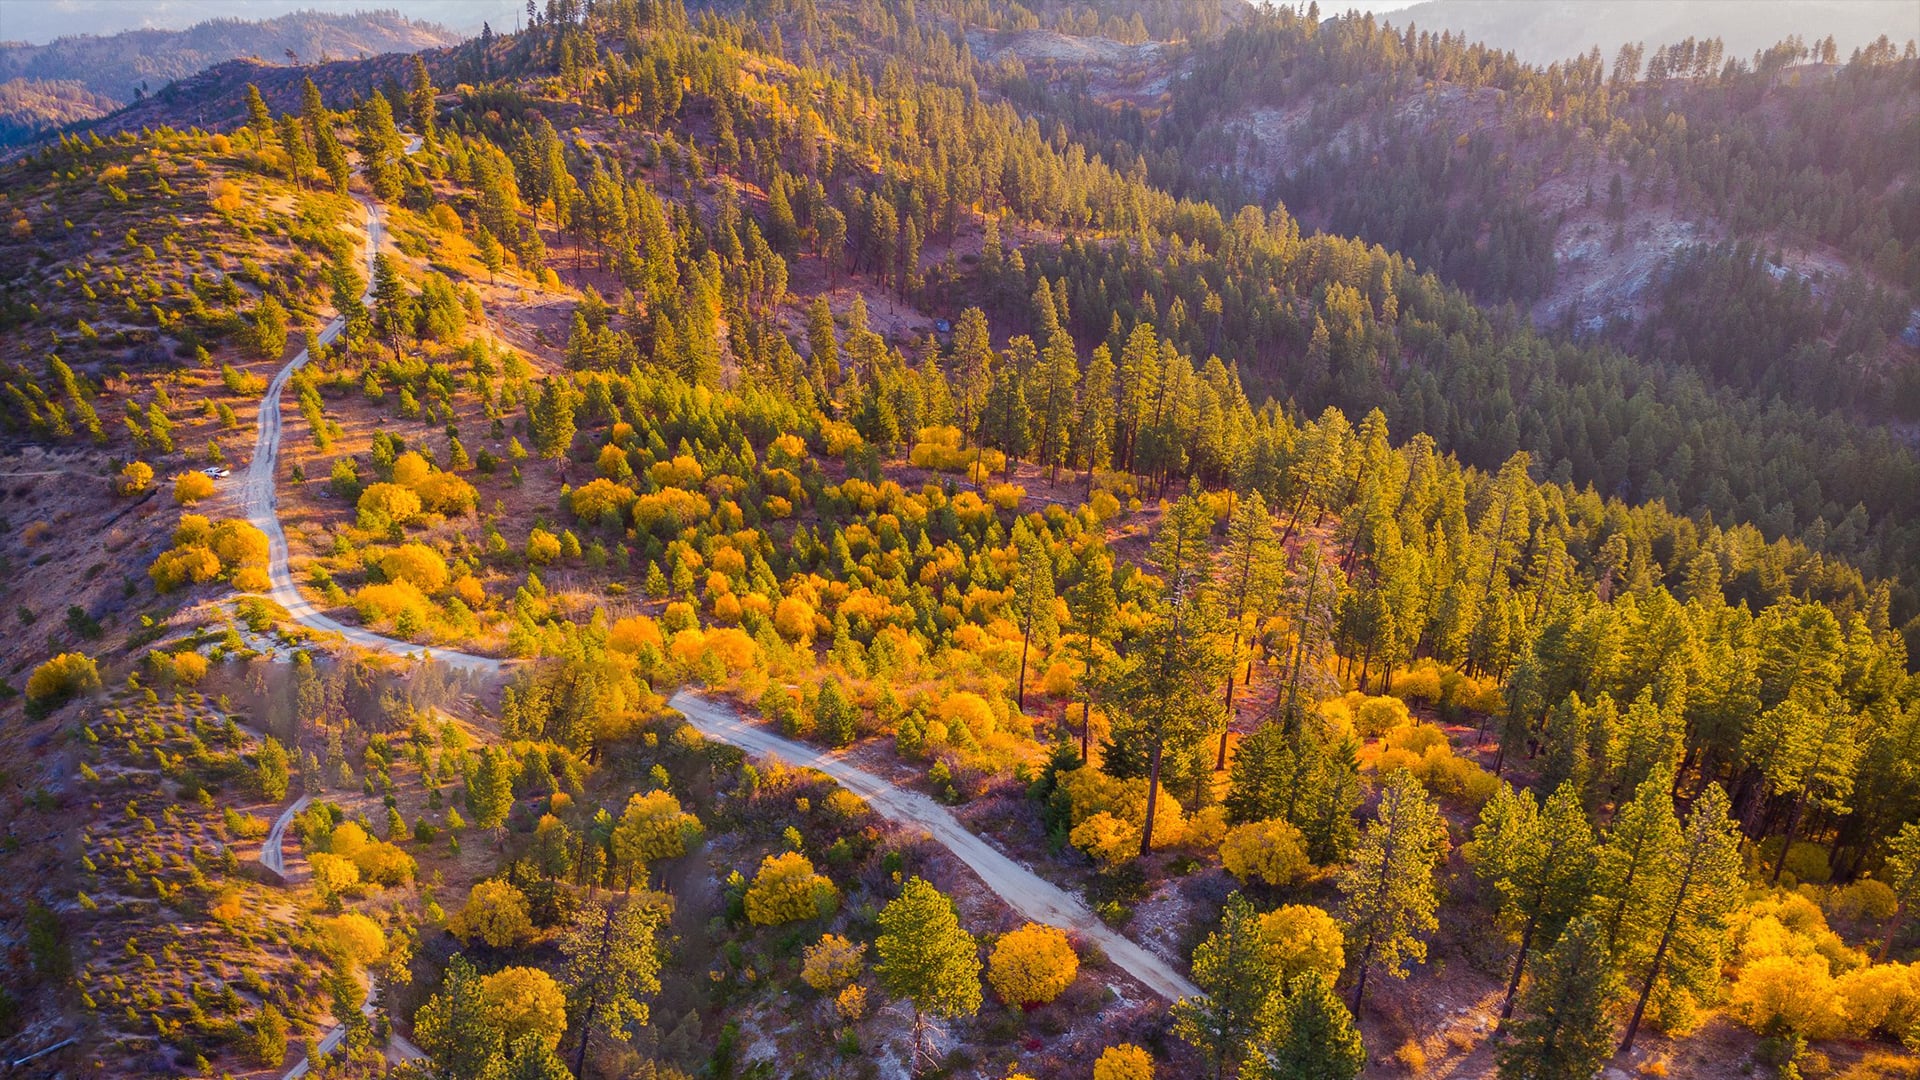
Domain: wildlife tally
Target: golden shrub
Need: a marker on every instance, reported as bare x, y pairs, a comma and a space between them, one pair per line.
634, 633
1302, 938
1032, 965
1123, 1062
1271, 851
191, 487
417, 565
786, 889
135, 477
61, 678
832, 962
522, 1002
495, 913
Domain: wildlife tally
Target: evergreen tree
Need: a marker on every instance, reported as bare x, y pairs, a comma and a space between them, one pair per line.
1697, 891
392, 306
300, 159
612, 966
1389, 894
381, 148
1241, 1005
420, 95
454, 1027
490, 790
550, 416
1254, 568
1093, 427
1565, 1028
1093, 606
1540, 862
1060, 371
1160, 697
1034, 594
259, 117
1319, 1040
1642, 840
1901, 873
927, 958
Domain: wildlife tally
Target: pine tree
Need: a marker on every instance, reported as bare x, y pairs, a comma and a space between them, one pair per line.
1565, 1029
1311, 592
453, 1027
1809, 753
824, 351
1901, 873
551, 418
1242, 1005
420, 95
392, 307
1698, 890
492, 255
270, 769
612, 967
1643, 838
1160, 697
927, 958
300, 160
1060, 371
1253, 559
381, 148
1540, 862
490, 791
1319, 1040
259, 117
326, 145
1093, 426
973, 363
1388, 889
1034, 595
1093, 607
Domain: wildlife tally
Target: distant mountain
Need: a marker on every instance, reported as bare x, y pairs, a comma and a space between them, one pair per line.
83, 77
1543, 31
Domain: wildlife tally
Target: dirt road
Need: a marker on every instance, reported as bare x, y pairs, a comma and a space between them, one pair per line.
271, 855
1026, 892
262, 501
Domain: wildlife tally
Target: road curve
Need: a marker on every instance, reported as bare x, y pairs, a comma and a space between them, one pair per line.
263, 507
399, 1049
271, 855
1026, 892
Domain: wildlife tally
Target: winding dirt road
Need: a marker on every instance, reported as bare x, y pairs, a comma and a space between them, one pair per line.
1026, 892
263, 505
271, 852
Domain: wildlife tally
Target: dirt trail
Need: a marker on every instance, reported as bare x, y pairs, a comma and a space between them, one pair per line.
270, 852
1026, 892
262, 501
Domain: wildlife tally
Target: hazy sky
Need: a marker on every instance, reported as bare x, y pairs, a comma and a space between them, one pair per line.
43, 20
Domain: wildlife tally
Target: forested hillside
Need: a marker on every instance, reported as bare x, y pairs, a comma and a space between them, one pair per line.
82, 77
1615, 196
1405, 689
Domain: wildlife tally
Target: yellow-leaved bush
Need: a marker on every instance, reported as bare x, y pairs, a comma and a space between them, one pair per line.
1032, 965
1105, 815
786, 889
1423, 750
1123, 1062
61, 678
831, 963
496, 913
524, 1002
1271, 851
203, 550
1796, 976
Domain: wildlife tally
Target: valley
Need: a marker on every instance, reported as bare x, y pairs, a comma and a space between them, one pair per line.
802, 538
